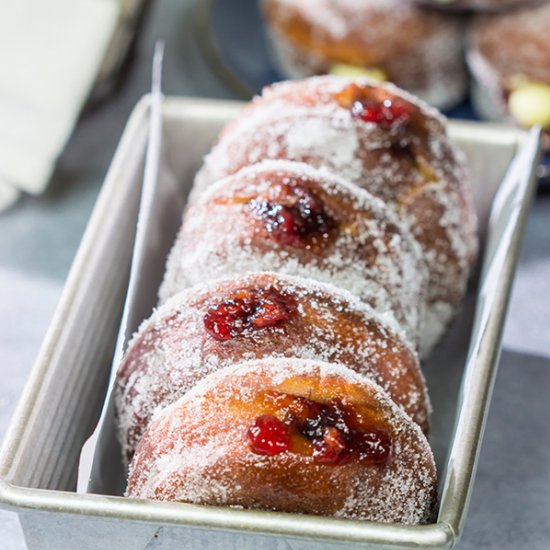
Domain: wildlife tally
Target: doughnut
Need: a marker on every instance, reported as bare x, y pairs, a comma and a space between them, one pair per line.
379, 138
289, 435
206, 328
293, 219
509, 57
419, 49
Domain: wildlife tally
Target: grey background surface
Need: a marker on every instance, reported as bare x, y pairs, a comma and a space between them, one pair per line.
39, 237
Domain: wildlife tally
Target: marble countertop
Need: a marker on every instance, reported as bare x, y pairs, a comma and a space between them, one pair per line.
39, 237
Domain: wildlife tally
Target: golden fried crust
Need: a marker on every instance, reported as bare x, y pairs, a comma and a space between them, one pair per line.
173, 350
197, 450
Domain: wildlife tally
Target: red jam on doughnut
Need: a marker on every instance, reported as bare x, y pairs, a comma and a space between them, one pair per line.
267, 435
330, 433
292, 214
248, 310
369, 105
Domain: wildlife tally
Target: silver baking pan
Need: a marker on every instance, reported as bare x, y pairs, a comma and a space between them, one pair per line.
62, 400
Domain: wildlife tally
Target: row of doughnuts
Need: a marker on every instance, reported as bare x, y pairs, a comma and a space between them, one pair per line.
383, 141
509, 59
421, 49
328, 237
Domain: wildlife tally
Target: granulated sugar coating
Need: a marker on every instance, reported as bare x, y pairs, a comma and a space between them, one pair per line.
414, 169
361, 246
198, 449
173, 350
483, 5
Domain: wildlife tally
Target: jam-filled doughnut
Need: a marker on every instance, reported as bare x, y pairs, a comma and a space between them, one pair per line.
206, 328
293, 219
289, 435
415, 47
381, 139
509, 57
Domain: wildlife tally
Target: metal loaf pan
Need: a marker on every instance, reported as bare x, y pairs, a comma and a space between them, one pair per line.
61, 402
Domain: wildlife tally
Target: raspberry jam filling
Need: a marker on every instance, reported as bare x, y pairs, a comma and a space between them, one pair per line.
292, 214
331, 432
375, 106
267, 435
248, 310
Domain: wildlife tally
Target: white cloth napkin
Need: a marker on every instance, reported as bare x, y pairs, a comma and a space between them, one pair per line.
50, 55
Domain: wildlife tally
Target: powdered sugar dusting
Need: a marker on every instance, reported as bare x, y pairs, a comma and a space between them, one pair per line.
194, 451
314, 134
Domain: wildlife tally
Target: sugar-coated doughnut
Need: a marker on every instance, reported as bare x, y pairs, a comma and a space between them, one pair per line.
509, 57
289, 435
